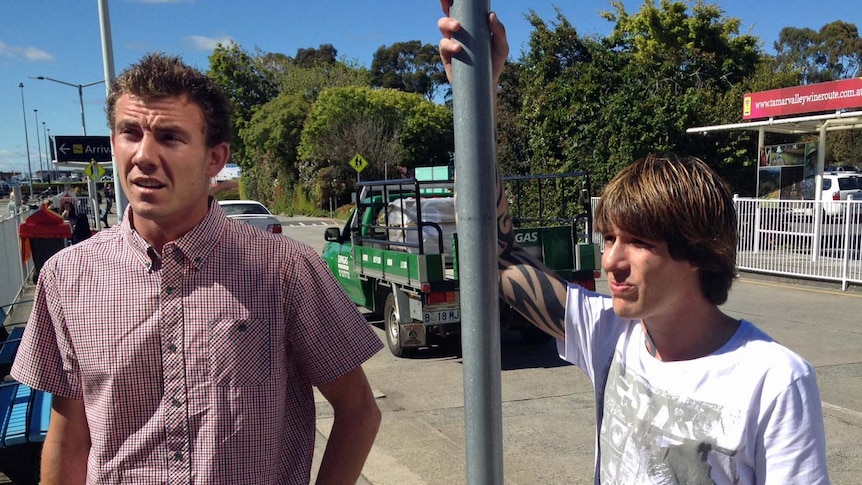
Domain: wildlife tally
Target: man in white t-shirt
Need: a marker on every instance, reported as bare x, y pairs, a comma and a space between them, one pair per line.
684, 393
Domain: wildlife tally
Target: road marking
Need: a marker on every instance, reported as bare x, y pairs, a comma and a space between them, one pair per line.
309, 224
802, 288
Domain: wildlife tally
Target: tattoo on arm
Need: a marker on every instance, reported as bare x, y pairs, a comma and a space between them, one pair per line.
526, 284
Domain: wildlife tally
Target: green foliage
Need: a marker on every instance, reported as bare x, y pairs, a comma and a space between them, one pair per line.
247, 83
388, 128
597, 104
309, 57
309, 81
271, 138
408, 66
835, 52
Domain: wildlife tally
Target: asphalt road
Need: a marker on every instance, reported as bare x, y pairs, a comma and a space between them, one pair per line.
548, 413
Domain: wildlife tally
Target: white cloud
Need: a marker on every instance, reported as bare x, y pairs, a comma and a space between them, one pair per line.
10, 161
202, 43
32, 54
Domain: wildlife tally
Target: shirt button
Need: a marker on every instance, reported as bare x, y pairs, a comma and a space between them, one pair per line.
176, 403
178, 456
242, 327
172, 348
169, 290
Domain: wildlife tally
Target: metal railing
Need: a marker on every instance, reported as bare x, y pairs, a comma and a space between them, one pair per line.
804, 239
14, 271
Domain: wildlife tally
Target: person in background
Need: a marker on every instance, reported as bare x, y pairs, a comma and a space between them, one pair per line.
109, 201
684, 392
199, 362
12, 206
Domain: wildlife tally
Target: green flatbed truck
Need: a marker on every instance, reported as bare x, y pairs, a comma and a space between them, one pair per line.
397, 255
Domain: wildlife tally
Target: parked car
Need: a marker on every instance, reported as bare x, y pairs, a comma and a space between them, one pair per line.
253, 213
836, 187
841, 169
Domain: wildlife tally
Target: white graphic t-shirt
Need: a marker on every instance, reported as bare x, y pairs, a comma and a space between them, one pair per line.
749, 413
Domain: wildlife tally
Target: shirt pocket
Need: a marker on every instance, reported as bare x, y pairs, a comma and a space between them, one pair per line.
239, 352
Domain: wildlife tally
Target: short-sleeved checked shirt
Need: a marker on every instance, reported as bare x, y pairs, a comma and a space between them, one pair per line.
196, 365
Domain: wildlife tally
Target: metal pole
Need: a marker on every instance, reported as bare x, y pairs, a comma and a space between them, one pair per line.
26, 140
39, 144
51, 151
47, 152
81, 100
108, 63
475, 162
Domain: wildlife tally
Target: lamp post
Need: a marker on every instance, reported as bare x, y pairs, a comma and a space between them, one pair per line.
47, 151
39, 144
26, 139
80, 94
50, 150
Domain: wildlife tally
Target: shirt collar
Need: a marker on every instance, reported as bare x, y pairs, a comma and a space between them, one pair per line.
195, 245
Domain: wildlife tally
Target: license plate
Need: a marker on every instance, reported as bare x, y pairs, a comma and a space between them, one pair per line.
443, 316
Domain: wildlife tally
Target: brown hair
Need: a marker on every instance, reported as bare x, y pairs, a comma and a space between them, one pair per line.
158, 75
681, 201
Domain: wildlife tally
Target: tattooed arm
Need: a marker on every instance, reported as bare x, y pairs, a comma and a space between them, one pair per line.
525, 283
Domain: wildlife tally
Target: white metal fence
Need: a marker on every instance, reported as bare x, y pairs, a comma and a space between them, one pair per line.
805, 239
14, 272
800, 239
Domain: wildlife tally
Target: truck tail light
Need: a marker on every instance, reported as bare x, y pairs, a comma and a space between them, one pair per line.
440, 297
274, 228
836, 195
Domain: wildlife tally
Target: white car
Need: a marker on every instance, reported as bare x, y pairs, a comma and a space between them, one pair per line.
836, 187
253, 213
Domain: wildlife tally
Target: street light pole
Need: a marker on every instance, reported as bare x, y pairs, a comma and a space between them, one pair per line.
47, 151
49, 142
80, 94
39, 144
26, 139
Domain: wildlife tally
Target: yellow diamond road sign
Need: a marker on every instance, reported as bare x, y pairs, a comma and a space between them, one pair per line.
94, 171
358, 163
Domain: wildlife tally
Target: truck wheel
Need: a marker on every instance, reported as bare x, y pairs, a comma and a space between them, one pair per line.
390, 324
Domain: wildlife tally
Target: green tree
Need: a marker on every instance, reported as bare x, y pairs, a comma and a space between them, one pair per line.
596, 104
408, 66
247, 83
310, 57
271, 137
834, 52
388, 128
310, 81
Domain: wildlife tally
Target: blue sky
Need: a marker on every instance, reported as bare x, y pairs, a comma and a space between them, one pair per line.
62, 40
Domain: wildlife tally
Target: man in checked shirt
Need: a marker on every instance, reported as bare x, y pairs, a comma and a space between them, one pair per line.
197, 363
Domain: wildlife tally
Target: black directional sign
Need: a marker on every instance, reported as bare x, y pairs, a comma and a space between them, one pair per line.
83, 148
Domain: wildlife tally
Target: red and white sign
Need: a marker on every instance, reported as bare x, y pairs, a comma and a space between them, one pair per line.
828, 96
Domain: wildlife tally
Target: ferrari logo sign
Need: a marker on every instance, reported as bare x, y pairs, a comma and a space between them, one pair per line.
358, 163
